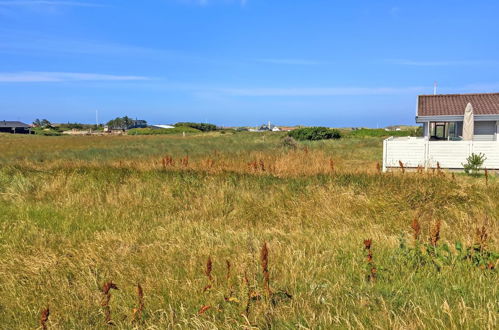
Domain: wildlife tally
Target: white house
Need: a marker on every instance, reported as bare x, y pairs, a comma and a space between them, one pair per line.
161, 126
449, 138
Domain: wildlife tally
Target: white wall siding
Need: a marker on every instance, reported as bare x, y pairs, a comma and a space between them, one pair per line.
490, 150
414, 152
449, 154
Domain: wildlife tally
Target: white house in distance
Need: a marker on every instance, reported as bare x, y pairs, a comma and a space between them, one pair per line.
455, 126
161, 126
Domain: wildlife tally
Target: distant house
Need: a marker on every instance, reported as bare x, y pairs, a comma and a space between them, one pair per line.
15, 127
269, 127
455, 126
119, 124
138, 124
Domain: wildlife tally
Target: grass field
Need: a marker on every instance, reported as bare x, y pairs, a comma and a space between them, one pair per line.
79, 212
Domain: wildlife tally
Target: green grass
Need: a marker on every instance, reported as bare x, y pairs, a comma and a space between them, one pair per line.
72, 218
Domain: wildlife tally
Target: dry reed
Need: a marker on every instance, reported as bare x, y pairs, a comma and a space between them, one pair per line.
248, 289
227, 277
137, 312
481, 237
204, 309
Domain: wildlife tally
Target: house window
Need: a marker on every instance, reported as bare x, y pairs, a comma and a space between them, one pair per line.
443, 130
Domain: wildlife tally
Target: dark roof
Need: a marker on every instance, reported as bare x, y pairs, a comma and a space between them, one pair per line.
4, 123
455, 104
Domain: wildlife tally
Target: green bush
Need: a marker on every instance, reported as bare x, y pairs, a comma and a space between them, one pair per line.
474, 163
314, 133
151, 131
46, 131
380, 132
199, 126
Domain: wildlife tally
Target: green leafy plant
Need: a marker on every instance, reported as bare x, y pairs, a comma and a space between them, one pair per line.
204, 127
474, 163
314, 133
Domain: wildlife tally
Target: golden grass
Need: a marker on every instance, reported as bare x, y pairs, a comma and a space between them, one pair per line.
280, 243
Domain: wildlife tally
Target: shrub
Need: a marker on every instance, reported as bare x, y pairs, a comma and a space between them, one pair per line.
474, 163
151, 131
46, 131
314, 133
199, 126
289, 142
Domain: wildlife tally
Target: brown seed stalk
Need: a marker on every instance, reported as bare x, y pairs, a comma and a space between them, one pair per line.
106, 290
371, 277
264, 259
416, 229
402, 166
378, 168
435, 234
44, 317
207, 271
262, 165
331, 164
486, 177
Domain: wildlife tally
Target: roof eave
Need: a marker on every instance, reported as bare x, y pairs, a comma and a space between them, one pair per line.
425, 119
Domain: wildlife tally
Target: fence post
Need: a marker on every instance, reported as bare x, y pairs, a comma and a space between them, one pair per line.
426, 153
385, 152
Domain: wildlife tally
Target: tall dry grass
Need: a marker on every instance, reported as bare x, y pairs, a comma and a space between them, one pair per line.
69, 225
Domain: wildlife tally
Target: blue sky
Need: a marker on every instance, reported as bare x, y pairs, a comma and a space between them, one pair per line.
235, 62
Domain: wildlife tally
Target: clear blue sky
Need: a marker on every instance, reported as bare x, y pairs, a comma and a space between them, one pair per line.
235, 62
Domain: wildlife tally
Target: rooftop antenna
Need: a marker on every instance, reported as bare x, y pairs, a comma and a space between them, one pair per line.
435, 85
